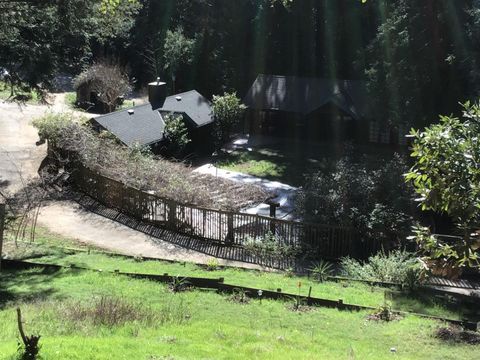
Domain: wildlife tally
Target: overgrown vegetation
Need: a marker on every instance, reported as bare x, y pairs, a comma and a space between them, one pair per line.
108, 81
138, 168
397, 267
269, 247
374, 200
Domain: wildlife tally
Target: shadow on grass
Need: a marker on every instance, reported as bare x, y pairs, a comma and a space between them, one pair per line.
424, 302
28, 285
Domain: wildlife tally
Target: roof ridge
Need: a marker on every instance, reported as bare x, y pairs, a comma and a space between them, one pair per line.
124, 109
185, 92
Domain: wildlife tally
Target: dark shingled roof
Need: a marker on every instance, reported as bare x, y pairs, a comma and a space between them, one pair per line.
304, 95
197, 108
145, 125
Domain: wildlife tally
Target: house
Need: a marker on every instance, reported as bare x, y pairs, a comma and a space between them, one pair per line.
145, 124
313, 109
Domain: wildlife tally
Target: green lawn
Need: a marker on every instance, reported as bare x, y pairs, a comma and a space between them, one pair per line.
196, 324
289, 161
266, 164
49, 248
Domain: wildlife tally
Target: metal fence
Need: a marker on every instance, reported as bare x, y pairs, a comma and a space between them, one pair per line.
224, 227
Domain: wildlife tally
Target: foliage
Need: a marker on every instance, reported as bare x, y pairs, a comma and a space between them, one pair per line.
179, 284
176, 134
269, 246
109, 82
27, 36
52, 125
321, 270
394, 267
406, 83
178, 50
239, 296
213, 264
376, 202
228, 112
446, 176
138, 168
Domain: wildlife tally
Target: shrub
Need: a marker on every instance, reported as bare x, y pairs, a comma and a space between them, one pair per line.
109, 82
269, 246
228, 111
176, 134
375, 201
212, 265
321, 270
397, 267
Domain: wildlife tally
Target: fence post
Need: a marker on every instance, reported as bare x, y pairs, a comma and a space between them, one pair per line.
273, 214
230, 236
2, 222
172, 214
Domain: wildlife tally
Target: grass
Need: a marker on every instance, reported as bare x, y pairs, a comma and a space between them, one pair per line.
265, 165
288, 161
30, 97
197, 324
49, 248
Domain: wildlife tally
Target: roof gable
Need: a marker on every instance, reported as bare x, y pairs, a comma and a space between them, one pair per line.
145, 125
191, 103
139, 124
304, 95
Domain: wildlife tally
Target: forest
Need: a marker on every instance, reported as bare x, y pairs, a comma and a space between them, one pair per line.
419, 58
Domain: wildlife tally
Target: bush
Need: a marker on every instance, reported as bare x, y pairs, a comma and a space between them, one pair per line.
228, 111
269, 246
397, 267
109, 82
374, 201
176, 134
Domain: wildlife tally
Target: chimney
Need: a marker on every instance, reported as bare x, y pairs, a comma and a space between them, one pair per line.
157, 93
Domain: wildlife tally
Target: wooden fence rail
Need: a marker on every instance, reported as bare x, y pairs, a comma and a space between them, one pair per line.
228, 228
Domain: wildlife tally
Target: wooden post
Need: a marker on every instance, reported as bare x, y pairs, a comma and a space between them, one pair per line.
230, 236
2, 223
273, 214
172, 214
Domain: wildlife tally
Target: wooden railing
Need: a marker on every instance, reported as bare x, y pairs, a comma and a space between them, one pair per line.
228, 228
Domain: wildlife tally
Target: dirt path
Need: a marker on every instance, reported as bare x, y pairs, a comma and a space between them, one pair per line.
20, 157
69, 219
